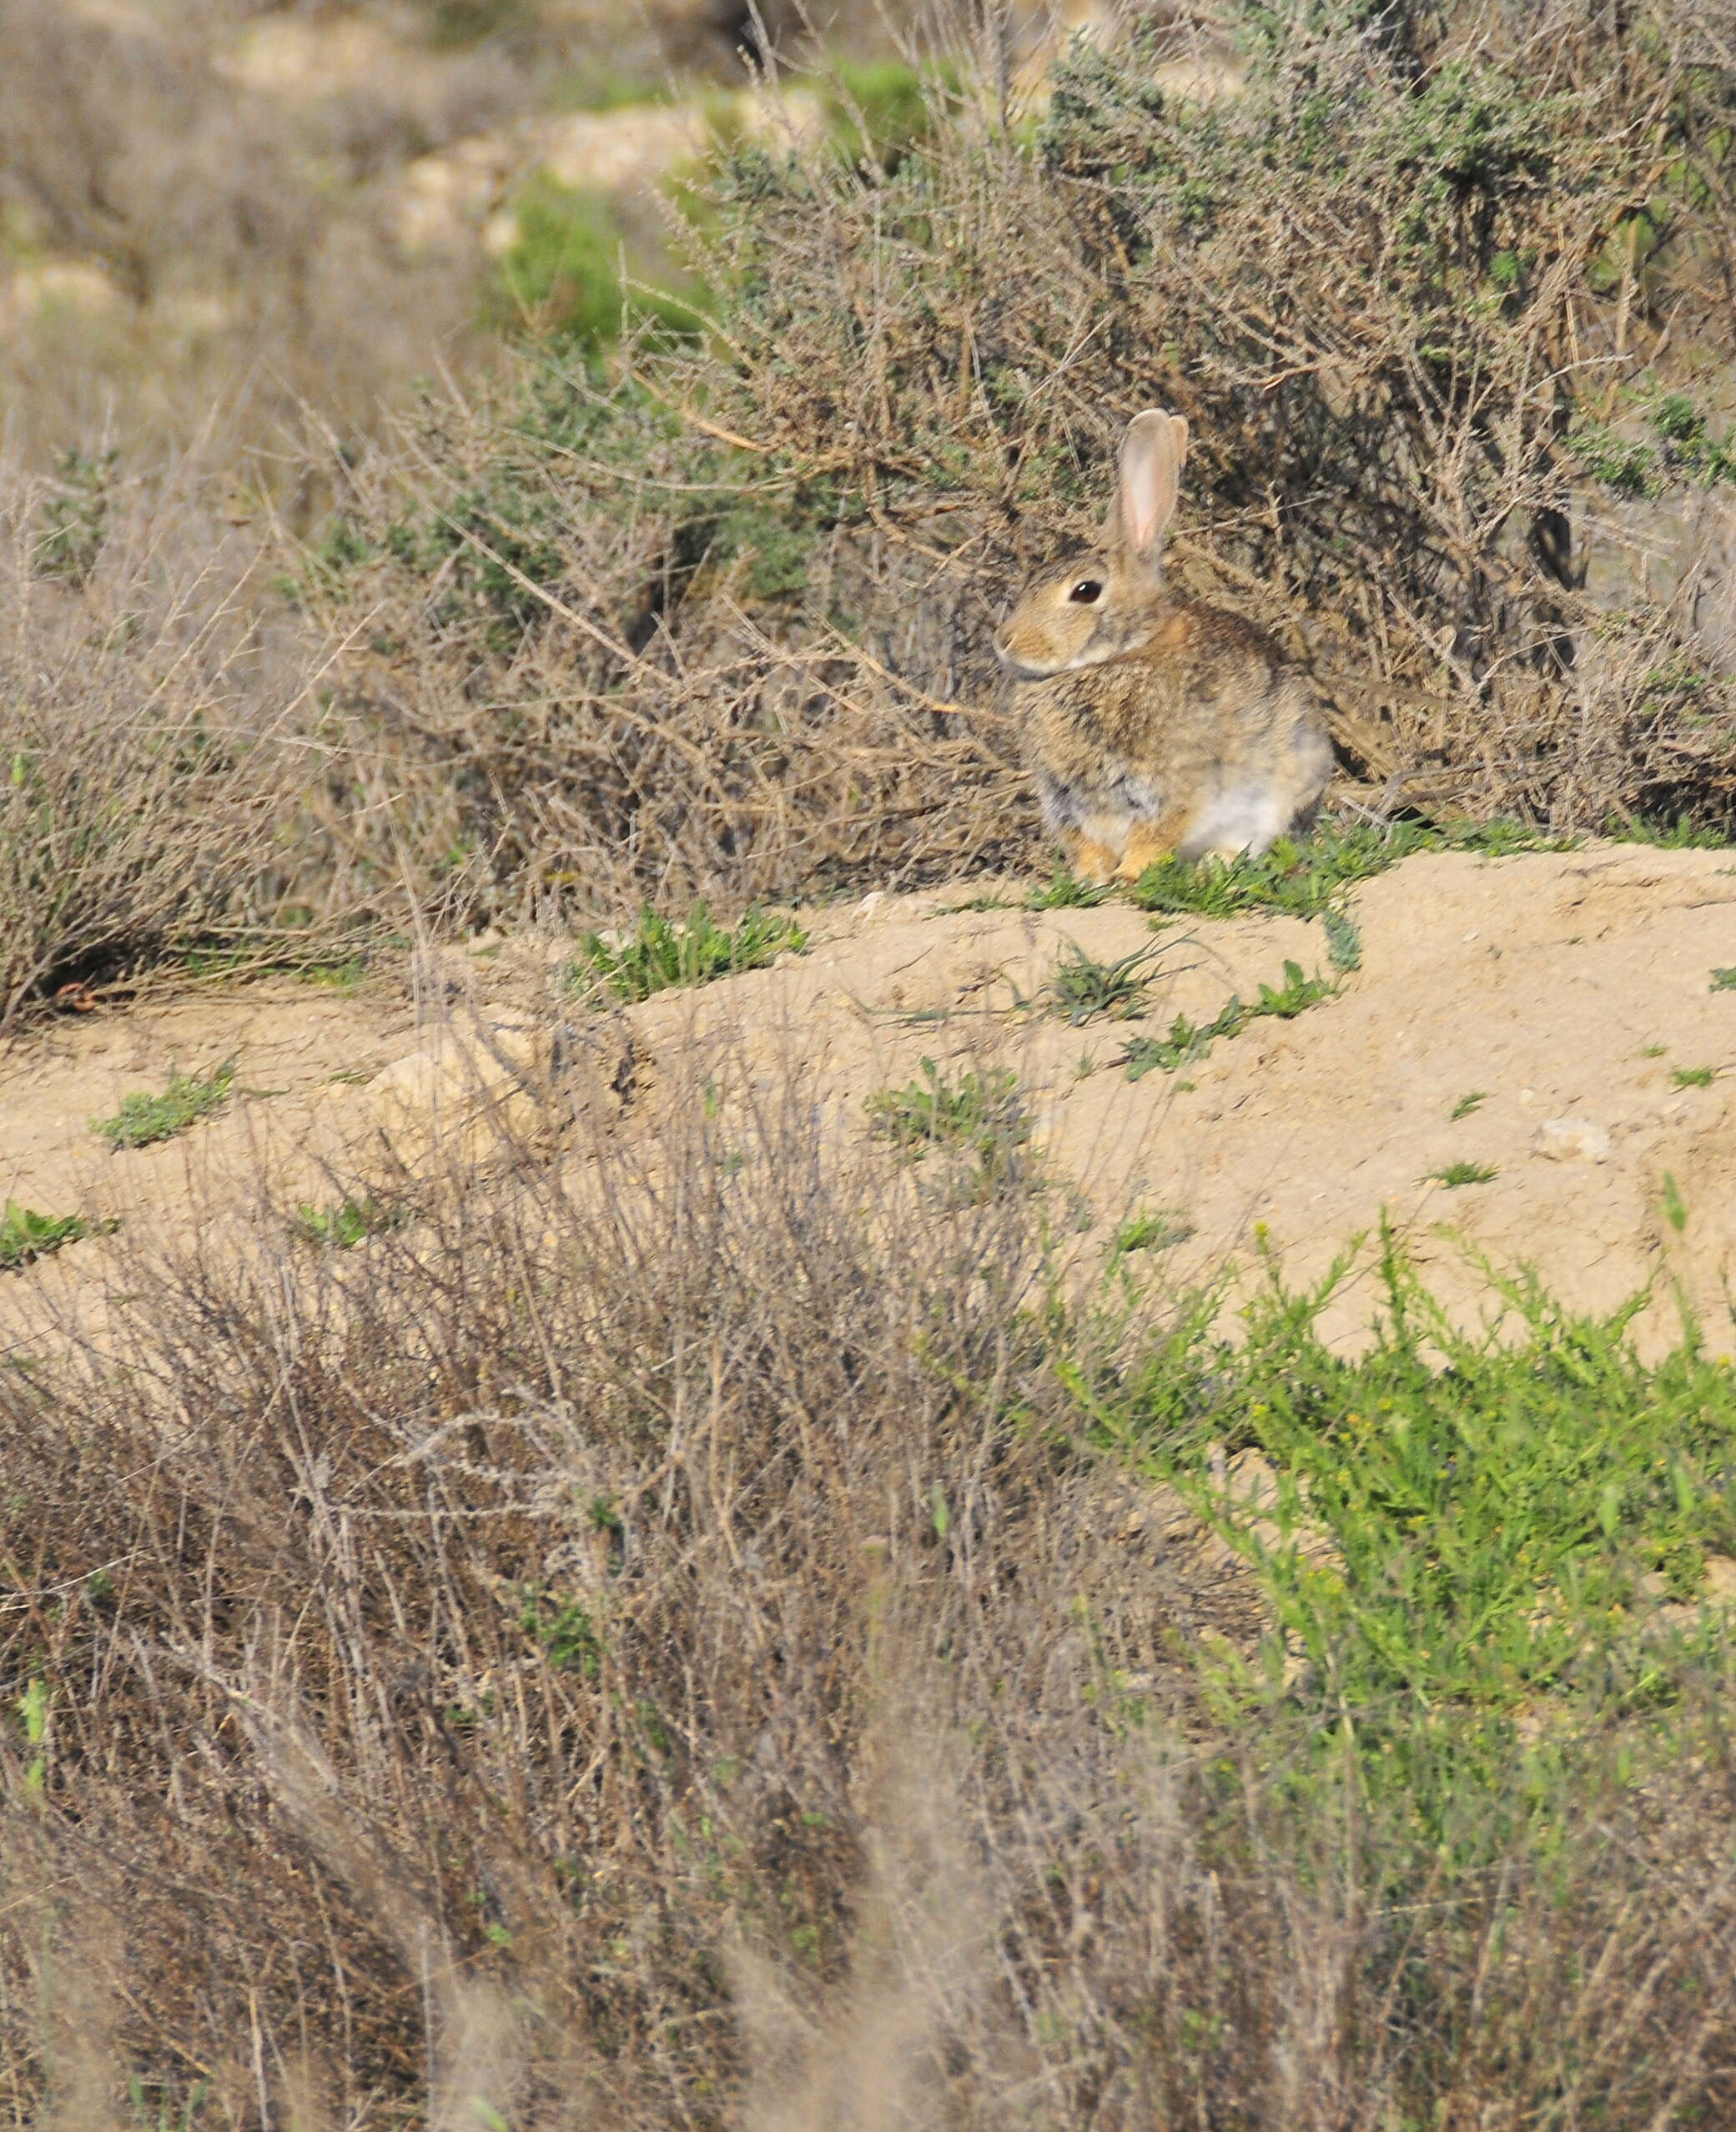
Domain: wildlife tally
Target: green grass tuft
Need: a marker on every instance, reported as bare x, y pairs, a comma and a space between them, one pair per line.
1472, 1100
143, 1119
1064, 891
1305, 878
1081, 989
1159, 1230
1458, 1173
662, 952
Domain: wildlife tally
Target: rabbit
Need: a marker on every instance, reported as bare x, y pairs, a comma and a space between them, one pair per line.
1153, 724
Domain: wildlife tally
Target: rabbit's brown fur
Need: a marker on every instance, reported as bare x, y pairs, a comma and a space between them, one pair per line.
1155, 724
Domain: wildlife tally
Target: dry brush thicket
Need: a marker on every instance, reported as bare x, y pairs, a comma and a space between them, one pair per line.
657, 1649
152, 741
1438, 292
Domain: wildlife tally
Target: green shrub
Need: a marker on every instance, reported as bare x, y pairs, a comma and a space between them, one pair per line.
561, 277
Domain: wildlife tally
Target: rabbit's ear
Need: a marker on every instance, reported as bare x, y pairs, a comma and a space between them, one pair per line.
1152, 453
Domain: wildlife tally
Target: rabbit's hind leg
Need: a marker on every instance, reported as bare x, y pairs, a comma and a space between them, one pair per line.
1087, 860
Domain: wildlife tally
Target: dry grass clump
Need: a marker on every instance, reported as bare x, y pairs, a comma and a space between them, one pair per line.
719, 620
151, 783
652, 1647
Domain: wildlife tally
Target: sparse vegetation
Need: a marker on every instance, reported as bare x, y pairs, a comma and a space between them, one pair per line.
899, 1452
1693, 1076
1064, 891
663, 952
1473, 1100
143, 1119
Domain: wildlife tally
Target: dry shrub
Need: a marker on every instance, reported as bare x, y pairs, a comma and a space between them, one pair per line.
721, 621
645, 1645
629, 739
150, 783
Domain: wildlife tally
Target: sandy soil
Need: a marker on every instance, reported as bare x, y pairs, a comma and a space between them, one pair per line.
1567, 992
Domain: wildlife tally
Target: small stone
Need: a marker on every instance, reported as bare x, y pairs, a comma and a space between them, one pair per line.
1571, 1139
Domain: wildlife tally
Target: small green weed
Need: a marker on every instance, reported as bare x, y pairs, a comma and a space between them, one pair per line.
1188, 1041
565, 1630
1458, 1173
1160, 1230
143, 1119
661, 953
979, 1116
343, 1227
1081, 989
75, 520
931, 1112
25, 1236
1680, 834
1062, 892
1724, 980
1344, 941
1693, 1076
1472, 1100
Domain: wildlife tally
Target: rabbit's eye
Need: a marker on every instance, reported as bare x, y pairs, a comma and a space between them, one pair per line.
1086, 591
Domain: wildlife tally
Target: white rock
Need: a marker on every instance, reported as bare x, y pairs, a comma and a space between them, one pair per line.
1571, 1139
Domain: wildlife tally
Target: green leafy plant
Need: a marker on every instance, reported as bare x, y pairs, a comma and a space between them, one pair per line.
75, 520
1308, 877
1472, 1100
25, 1236
1724, 980
1189, 1041
143, 1119
353, 1221
1344, 941
1693, 1076
1464, 1524
661, 953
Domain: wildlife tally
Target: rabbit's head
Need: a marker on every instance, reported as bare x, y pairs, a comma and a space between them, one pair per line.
1109, 602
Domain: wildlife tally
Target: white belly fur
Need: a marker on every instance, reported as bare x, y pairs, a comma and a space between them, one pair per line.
1239, 819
